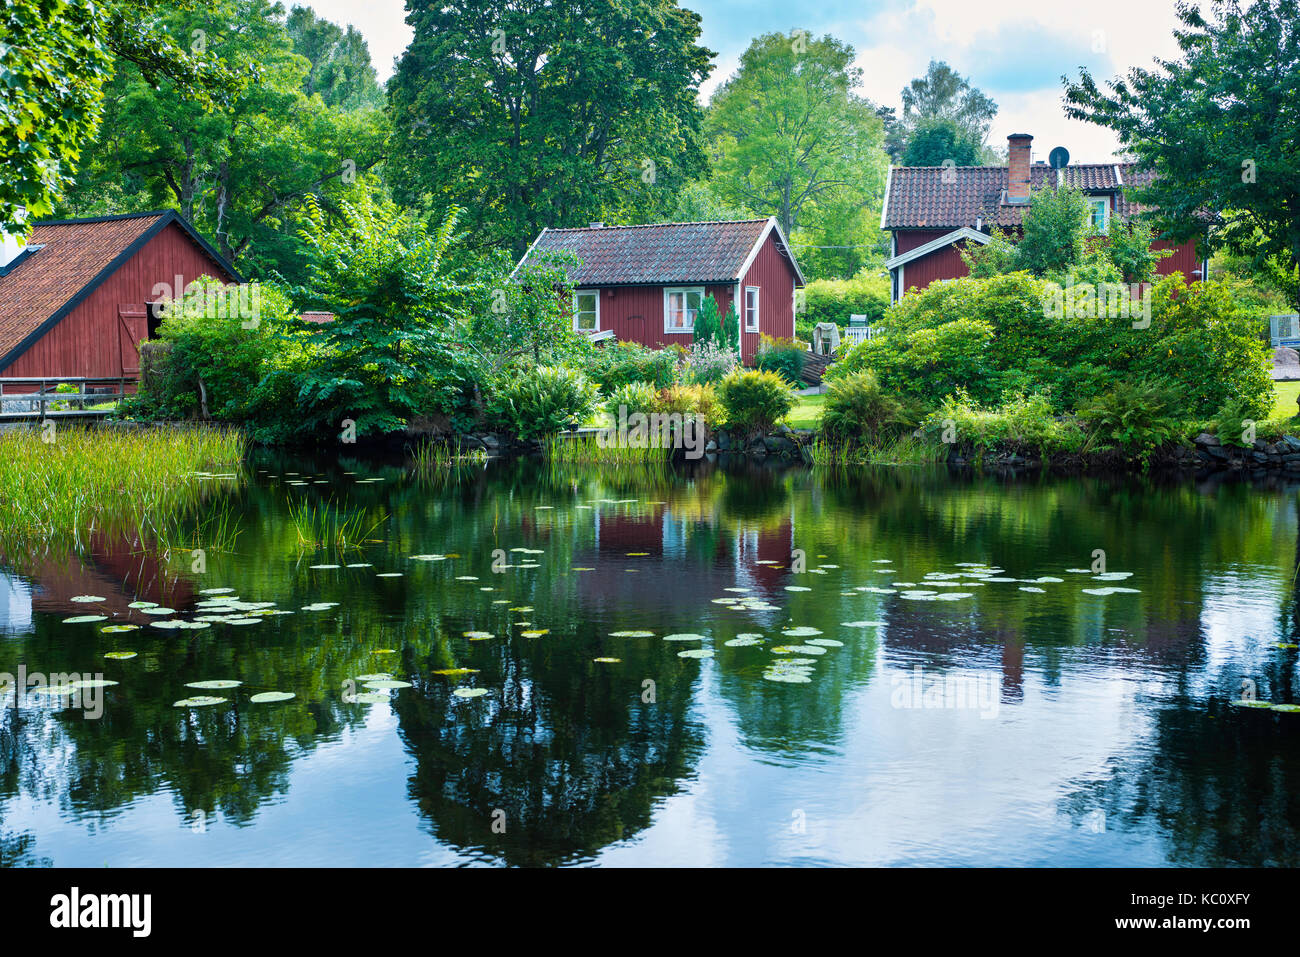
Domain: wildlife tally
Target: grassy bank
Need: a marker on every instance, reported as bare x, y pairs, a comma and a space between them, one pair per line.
91, 481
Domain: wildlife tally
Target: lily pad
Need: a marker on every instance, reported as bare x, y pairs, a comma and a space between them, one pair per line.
456, 672
696, 653
1250, 703
84, 619
743, 641
118, 629
121, 655
87, 599
631, 634
478, 635
683, 637
607, 661
387, 684
216, 684
535, 633
199, 701
370, 697
861, 624
470, 692
801, 631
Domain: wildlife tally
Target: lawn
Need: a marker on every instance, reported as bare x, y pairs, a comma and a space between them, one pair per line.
807, 412
1284, 399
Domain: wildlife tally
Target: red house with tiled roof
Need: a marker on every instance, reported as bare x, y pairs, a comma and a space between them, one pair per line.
645, 283
79, 296
933, 212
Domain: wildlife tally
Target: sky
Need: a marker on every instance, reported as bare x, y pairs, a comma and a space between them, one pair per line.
1016, 51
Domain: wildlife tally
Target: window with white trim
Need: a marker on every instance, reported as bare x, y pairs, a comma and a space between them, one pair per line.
751, 309
1099, 213
681, 307
586, 311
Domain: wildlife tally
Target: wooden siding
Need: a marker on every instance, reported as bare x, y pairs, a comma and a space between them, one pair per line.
636, 313
772, 273
89, 340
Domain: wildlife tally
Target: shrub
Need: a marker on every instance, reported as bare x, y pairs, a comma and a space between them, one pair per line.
691, 400
858, 408
1025, 423
708, 323
542, 400
754, 400
1231, 423
707, 362
782, 356
1136, 417
632, 398
623, 363
926, 364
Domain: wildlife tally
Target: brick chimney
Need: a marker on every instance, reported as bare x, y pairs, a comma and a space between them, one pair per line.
1018, 160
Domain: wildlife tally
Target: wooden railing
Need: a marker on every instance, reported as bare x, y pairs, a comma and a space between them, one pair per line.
35, 397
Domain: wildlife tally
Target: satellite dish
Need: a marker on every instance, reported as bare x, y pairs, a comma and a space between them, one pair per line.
1059, 158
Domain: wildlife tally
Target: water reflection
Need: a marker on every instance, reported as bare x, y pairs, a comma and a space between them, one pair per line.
1106, 737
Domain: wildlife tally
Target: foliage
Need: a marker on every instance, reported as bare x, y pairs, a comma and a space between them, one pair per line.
529, 314
546, 115
942, 94
789, 134
937, 140
1138, 415
708, 324
55, 58
706, 363
689, 400
1022, 424
393, 349
341, 73
858, 409
1209, 125
632, 398
616, 364
1232, 423
241, 171
998, 336
754, 400
835, 300
536, 401
783, 356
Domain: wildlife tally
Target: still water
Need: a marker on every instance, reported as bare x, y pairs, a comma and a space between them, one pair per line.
955, 690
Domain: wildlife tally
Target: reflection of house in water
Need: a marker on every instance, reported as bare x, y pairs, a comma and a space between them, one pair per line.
654, 555
114, 570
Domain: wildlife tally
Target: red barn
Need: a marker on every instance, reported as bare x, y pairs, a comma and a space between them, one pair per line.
645, 283
77, 299
933, 212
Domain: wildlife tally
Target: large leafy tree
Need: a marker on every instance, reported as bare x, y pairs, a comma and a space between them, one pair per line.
547, 112
55, 58
791, 138
1220, 128
935, 141
242, 170
341, 70
941, 99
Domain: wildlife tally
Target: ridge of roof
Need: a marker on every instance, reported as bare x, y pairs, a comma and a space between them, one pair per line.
702, 222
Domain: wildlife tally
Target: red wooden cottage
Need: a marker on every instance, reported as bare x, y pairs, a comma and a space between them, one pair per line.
935, 211
645, 283
80, 295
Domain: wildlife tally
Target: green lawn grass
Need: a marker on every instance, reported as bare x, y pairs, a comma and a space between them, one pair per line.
807, 412
1284, 399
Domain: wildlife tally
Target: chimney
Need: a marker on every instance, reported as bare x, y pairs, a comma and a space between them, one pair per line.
12, 244
1018, 160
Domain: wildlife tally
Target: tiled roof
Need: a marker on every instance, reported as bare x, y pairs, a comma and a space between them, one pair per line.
655, 254
65, 257
45, 279
920, 199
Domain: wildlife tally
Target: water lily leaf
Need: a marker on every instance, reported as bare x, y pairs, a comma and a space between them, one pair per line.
120, 655
387, 684
742, 641
456, 672
801, 631
1250, 703
159, 610
862, 624
371, 697
797, 588
200, 701
271, 697
1040, 591
216, 684
118, 629
696, 653
389, 575
378, 676
479, 635
470, 692
683, 637
215, 591
87, 599
1286, 708
244, 621
536, 632
84, 619
631, 634
93, 683
607, 661
322, 567
144, 604
826, 642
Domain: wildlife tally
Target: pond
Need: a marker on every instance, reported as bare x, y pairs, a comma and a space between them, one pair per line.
527, 665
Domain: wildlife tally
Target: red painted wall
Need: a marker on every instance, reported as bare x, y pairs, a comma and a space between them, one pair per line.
772, 273
636, 313
90, 341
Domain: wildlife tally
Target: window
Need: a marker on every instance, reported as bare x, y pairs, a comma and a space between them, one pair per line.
1100, 209
751, 309
586, 311
680, 307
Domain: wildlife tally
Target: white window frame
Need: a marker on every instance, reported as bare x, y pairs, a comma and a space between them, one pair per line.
1093, 203
685, 291
758, 298
586, 292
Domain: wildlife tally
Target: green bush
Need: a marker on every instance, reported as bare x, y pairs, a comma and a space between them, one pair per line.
926, 364
754, 400
542, 400
782, 356
622, 363
1023, 424
633, 398
690, 400
835, 300
1136, 417
857, 408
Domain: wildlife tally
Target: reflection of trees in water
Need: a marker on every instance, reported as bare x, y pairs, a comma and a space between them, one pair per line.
566, 748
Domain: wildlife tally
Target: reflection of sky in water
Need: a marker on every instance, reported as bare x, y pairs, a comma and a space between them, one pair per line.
1096, 698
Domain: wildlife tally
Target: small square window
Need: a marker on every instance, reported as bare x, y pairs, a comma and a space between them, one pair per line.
1100, 213
751, 308
680, 309
586, 311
